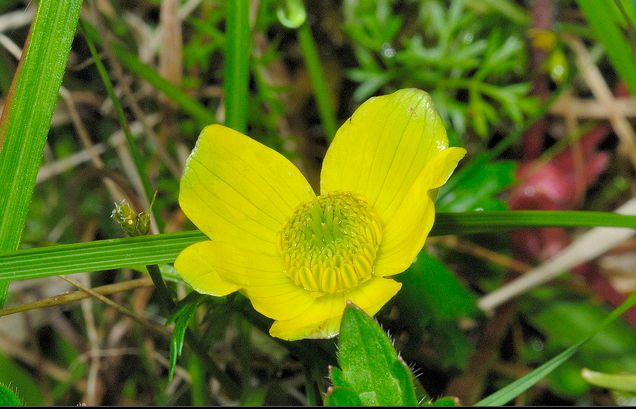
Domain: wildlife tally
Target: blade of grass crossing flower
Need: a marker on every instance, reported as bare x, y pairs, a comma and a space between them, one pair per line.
508, 393
318, 82
27, 114
607, 30
95, 255
498, 221
164, 248
237, 65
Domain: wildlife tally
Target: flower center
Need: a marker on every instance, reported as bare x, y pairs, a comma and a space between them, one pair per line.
329, 244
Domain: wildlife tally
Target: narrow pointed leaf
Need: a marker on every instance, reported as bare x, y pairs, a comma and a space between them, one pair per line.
27, 114
621, 54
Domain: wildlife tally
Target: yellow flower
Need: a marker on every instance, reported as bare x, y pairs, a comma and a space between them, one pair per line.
299, 257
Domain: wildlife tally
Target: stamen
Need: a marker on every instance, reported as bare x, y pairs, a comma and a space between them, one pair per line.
329, 244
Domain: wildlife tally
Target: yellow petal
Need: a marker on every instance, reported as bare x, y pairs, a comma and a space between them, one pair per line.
194, 267
322, 318
245, 268
239, 191
282, 300
219, 269
405, 233
383, 148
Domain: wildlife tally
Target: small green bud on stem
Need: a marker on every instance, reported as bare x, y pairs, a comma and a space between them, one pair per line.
133, 224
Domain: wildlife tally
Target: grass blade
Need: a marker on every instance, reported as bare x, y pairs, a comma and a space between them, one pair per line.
508, 393
608, 32
95, 255
164, 248
27, 114
498, 221
237, 56
318, 82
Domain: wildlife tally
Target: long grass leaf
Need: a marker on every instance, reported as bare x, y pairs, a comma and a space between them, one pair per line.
95, 255
608, 32
164, 248
498, 221
27, 114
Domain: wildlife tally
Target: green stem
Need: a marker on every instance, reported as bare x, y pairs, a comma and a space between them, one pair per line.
318, 82
311, 353
199, 389
232, 388
237, 65
310, 391
245, 353
164, 293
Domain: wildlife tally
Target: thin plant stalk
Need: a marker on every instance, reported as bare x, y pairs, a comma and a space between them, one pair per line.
237, 65
319, 83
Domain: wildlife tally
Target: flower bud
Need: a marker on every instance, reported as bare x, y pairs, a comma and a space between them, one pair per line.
133, 224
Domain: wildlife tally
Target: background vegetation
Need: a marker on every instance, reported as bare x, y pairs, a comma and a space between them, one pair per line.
539, 92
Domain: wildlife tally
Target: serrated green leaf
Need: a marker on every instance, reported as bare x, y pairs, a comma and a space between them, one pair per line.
448, 401
21, 380
342, 397
8, 397
370, 365
337, 377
